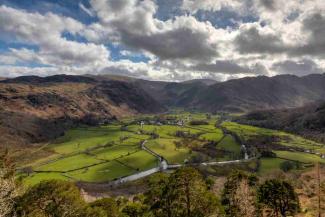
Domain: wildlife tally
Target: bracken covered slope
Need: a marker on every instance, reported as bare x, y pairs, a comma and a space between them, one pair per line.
35, 109
308, 121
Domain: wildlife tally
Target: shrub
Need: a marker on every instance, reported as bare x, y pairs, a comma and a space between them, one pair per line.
199, 122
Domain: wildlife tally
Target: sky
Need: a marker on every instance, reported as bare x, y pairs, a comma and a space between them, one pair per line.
170, 40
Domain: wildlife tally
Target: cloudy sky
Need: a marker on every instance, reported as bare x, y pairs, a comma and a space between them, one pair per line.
162, 39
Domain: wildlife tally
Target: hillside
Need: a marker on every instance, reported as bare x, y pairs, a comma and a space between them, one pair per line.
247, 94
308, 121
58, 102
35, 109
238, 95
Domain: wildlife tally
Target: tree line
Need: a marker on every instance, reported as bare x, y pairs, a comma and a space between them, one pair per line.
184, 193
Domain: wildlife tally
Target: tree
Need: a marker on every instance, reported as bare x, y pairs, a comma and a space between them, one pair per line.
158, 197
136, 209
183, 194
319, 190
287, 166
9, 188
238, 196
55, 199
108, 205
279, 196
246, 199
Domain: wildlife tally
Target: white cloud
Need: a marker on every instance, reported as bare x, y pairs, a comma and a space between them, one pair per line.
212, 5
135, 26
286, 37
86, 10
46, 31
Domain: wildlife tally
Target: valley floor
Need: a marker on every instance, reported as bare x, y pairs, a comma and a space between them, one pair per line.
107, 154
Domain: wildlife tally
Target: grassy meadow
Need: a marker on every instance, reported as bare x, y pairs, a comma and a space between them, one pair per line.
105, 153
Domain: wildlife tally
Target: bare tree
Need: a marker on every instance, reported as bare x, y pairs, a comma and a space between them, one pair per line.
319, 189
245, 198
8, 187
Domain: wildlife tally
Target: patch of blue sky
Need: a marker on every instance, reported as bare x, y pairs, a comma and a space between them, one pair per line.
168, 9
74, 37
68, 8
224, 18
5, 46
117, 54
31, 65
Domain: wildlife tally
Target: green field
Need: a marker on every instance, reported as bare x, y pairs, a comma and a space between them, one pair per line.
246, 132
299, 156
228, 143
37, 177
69, 163
270, 164
216, 135
167, 149
105, 153
102, 172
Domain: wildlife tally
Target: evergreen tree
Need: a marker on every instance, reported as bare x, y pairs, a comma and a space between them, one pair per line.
55, 199
183, 194
108, 205
279, 196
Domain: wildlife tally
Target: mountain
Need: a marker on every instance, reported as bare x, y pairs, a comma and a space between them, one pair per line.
36, 109
171, 94
237, 95
52, 104
308, 121
240, 95
204, 81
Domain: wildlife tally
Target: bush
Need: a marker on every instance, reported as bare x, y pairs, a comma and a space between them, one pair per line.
289, 165
268, 153
199, 122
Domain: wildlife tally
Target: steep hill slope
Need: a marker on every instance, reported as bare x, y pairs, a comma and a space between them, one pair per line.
247, 94
238, 95
308, 121
34, 109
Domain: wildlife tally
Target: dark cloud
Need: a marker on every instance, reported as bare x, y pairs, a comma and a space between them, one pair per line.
300, 68
268, 4
315, 45
181, 43
252, 41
